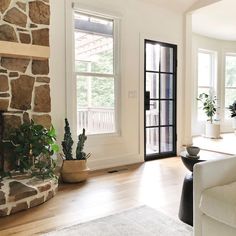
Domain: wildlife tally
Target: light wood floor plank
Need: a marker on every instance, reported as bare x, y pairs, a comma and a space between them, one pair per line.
157, 184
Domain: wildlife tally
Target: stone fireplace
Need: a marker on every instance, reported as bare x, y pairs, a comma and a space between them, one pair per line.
1, 147
24, 92
24, 79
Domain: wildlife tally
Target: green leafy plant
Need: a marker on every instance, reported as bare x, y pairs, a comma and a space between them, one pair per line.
80, 154
209, 105
232, 109
32, 146
67, 143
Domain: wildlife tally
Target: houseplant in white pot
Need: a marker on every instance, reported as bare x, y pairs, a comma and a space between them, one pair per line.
232, 109
212, 129
74, 169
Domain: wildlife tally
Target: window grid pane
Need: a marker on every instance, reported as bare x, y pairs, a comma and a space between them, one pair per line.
205, 78
94, 63
230, 82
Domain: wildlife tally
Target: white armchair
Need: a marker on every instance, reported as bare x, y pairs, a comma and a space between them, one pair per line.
214, 198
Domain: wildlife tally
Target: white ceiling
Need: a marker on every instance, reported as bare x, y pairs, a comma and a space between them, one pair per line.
217, 20
179, 5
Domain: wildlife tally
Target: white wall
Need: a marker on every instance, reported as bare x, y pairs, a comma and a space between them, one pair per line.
139, 20
220, 47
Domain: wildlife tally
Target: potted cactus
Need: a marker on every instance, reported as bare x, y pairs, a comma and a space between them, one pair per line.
74, 169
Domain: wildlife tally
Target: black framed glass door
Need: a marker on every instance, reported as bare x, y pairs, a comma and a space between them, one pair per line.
160, 75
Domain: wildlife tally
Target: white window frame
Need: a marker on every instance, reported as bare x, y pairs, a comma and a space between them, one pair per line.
226, 118
71, 109
213, 76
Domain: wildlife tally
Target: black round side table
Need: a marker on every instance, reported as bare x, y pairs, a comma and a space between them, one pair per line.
186, 202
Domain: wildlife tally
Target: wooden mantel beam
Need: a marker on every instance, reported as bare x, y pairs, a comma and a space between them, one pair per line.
21, 50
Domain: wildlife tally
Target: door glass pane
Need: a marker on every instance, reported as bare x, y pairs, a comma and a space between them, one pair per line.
166, 86
166, 112
152, 56
166, 139
152, 140
166, 59
152, 116
152, 84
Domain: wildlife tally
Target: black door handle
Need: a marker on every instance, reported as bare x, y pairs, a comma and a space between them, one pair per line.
147, 100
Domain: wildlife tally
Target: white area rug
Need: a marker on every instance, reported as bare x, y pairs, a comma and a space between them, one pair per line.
141, 221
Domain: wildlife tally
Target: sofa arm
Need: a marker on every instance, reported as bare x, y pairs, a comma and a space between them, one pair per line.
206, 175
213, 173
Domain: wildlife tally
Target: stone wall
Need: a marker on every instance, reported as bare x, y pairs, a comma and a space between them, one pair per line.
24, 83
21, 193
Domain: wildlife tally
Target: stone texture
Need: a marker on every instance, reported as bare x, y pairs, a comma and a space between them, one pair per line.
39, 12
42, 100
40, 67
25, 192
3, 71
20, 191
4, 103
33, 26
26, 117
44, 188
25, 38
2, 198
7, 33
15, 64
1, 184
16, 17
3, 212
19, 207
37, 201
50, 195
4, 4
4, 95
22, 30
13, 74
21, 5
22, 92
40, 37
44, 120
11, 122
4, 83
43, 79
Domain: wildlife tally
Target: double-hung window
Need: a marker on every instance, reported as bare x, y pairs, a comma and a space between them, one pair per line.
230, 81
95, 71
206, 77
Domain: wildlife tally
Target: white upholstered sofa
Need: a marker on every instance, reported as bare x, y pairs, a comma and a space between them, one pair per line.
214, 196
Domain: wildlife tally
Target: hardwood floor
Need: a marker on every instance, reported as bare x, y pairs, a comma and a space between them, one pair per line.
156, 184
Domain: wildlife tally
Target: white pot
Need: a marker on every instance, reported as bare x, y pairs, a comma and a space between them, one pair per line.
234, 122
212, 130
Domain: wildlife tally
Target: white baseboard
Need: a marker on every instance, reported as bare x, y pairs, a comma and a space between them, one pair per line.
115, 161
